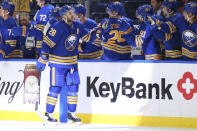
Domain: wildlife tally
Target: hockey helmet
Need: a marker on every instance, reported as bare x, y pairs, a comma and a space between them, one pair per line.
64, 9
7, 5
79, 9
190, 7
171, 4
144, 10
54, 13
115, 6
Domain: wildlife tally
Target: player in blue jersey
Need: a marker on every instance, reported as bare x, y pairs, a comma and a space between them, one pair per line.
60, 49
172, 42
7, 21
186, 27
90, 50
116, 34
10, 48
41, 18
145, 39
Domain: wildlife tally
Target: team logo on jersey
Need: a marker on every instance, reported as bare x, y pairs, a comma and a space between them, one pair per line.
189, 38
70, 42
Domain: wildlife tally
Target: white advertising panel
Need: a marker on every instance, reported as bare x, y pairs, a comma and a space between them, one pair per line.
113, 88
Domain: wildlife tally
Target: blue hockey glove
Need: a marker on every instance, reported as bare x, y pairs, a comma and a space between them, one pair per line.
1, 57
41, 63
2, 54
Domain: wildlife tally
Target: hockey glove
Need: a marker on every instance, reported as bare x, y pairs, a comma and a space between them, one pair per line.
154, 21
2, 54
41, 63
1, 57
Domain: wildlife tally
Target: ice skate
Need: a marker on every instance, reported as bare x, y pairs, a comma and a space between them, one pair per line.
50, 117
50, 121
72, 118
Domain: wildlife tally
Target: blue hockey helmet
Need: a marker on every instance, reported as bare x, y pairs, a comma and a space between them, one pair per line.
190, 7
54, 13
171, 4
79, 8
8, 5
64, 9
115, 6
144, 10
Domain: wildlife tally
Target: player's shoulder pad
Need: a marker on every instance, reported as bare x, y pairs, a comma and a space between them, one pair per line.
91, 21
58, 25
104, 23
124, 25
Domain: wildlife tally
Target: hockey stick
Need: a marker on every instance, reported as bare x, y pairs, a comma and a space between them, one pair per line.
38, 101
39, 113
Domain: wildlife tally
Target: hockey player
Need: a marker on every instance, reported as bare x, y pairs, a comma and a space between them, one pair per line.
145, 39
60, 49
41, 19
172, 42
186, 27
7, 21
116, 34
91, 50
9, 47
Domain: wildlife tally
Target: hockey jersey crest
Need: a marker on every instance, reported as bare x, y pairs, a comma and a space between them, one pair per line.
61, 42
70, 42
189, 38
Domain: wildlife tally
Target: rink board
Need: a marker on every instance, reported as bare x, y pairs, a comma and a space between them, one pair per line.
138, 93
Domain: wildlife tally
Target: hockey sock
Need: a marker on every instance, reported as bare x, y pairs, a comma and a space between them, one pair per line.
72, 98
52, 99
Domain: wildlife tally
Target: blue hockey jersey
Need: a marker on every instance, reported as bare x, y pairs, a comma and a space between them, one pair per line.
9, 47
149, 44
172, 41
61, 42
187, 32
115, 34
42, 17
8, 23
91, 50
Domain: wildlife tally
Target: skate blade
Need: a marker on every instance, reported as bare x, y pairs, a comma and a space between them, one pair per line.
70, 122
49, 124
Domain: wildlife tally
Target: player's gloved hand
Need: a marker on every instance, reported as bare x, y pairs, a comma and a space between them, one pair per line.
41, 62
154, 21
1, 57
105, 25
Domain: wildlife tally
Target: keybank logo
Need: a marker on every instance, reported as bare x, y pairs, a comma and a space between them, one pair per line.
187, 85
127, 87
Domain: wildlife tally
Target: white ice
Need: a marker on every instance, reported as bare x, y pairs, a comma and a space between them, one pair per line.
38, 126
